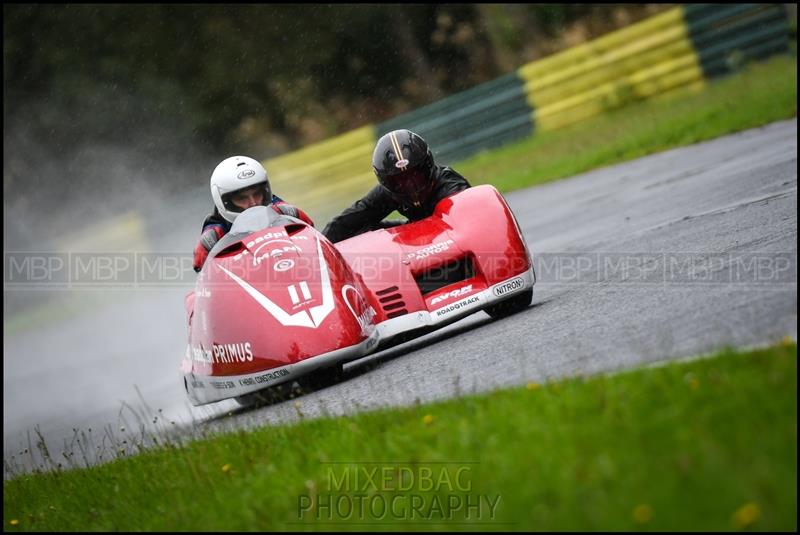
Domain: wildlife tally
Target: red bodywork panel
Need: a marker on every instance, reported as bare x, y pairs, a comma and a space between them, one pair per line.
296, 316
475, 223
285, 294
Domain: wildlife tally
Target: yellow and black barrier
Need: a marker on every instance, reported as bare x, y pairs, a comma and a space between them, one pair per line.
637, 62
679, 49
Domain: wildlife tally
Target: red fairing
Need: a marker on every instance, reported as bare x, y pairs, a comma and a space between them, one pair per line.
275, 300
476, 223
274, 304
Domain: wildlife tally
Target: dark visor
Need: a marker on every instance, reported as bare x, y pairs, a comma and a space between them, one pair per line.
414, 180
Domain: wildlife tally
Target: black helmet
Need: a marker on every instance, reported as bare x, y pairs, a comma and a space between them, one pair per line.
403, 164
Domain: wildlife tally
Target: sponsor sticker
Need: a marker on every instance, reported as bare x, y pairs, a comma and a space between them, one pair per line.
264, 378
271, 376
283, 265
202, 355
430, 250
451, 295
197, 383
267, 236
223, 353
244, 175
455, 307
278, 247
359, 308
508, 287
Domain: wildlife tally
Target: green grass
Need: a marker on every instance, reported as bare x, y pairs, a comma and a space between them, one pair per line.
708, 444
759, 94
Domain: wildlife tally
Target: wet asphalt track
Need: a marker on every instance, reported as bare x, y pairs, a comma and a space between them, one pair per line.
668, 256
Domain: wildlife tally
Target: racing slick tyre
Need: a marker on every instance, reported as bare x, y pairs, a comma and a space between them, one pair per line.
511, 305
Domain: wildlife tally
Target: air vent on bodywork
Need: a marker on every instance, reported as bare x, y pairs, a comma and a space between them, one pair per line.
458, 270
392, 302
294, 228
231, 250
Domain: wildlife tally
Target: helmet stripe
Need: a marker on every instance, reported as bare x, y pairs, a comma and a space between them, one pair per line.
396, 145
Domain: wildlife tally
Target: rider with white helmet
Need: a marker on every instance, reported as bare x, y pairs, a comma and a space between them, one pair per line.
237, 183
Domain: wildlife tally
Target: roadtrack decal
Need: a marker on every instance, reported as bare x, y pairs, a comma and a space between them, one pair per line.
458, 306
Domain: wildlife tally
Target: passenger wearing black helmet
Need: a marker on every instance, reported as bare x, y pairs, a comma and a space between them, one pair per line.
409, 181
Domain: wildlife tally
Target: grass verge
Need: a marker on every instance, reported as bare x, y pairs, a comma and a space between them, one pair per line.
708, 444
759, 94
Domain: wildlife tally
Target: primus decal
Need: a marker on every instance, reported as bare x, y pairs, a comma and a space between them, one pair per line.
223, 353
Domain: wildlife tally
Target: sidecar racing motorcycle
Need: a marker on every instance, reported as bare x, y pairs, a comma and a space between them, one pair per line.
276, 300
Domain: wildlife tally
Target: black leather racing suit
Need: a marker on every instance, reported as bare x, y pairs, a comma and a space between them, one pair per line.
368, 212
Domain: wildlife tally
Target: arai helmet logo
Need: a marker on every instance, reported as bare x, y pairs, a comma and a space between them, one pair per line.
246, 174
401, 163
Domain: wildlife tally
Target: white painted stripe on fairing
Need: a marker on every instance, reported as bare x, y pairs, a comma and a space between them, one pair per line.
293, 294
305, 290
301, 318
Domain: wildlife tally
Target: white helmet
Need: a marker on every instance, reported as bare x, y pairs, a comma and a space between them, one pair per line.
233, 174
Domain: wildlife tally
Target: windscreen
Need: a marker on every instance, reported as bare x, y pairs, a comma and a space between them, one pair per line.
250, 221
255, 219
